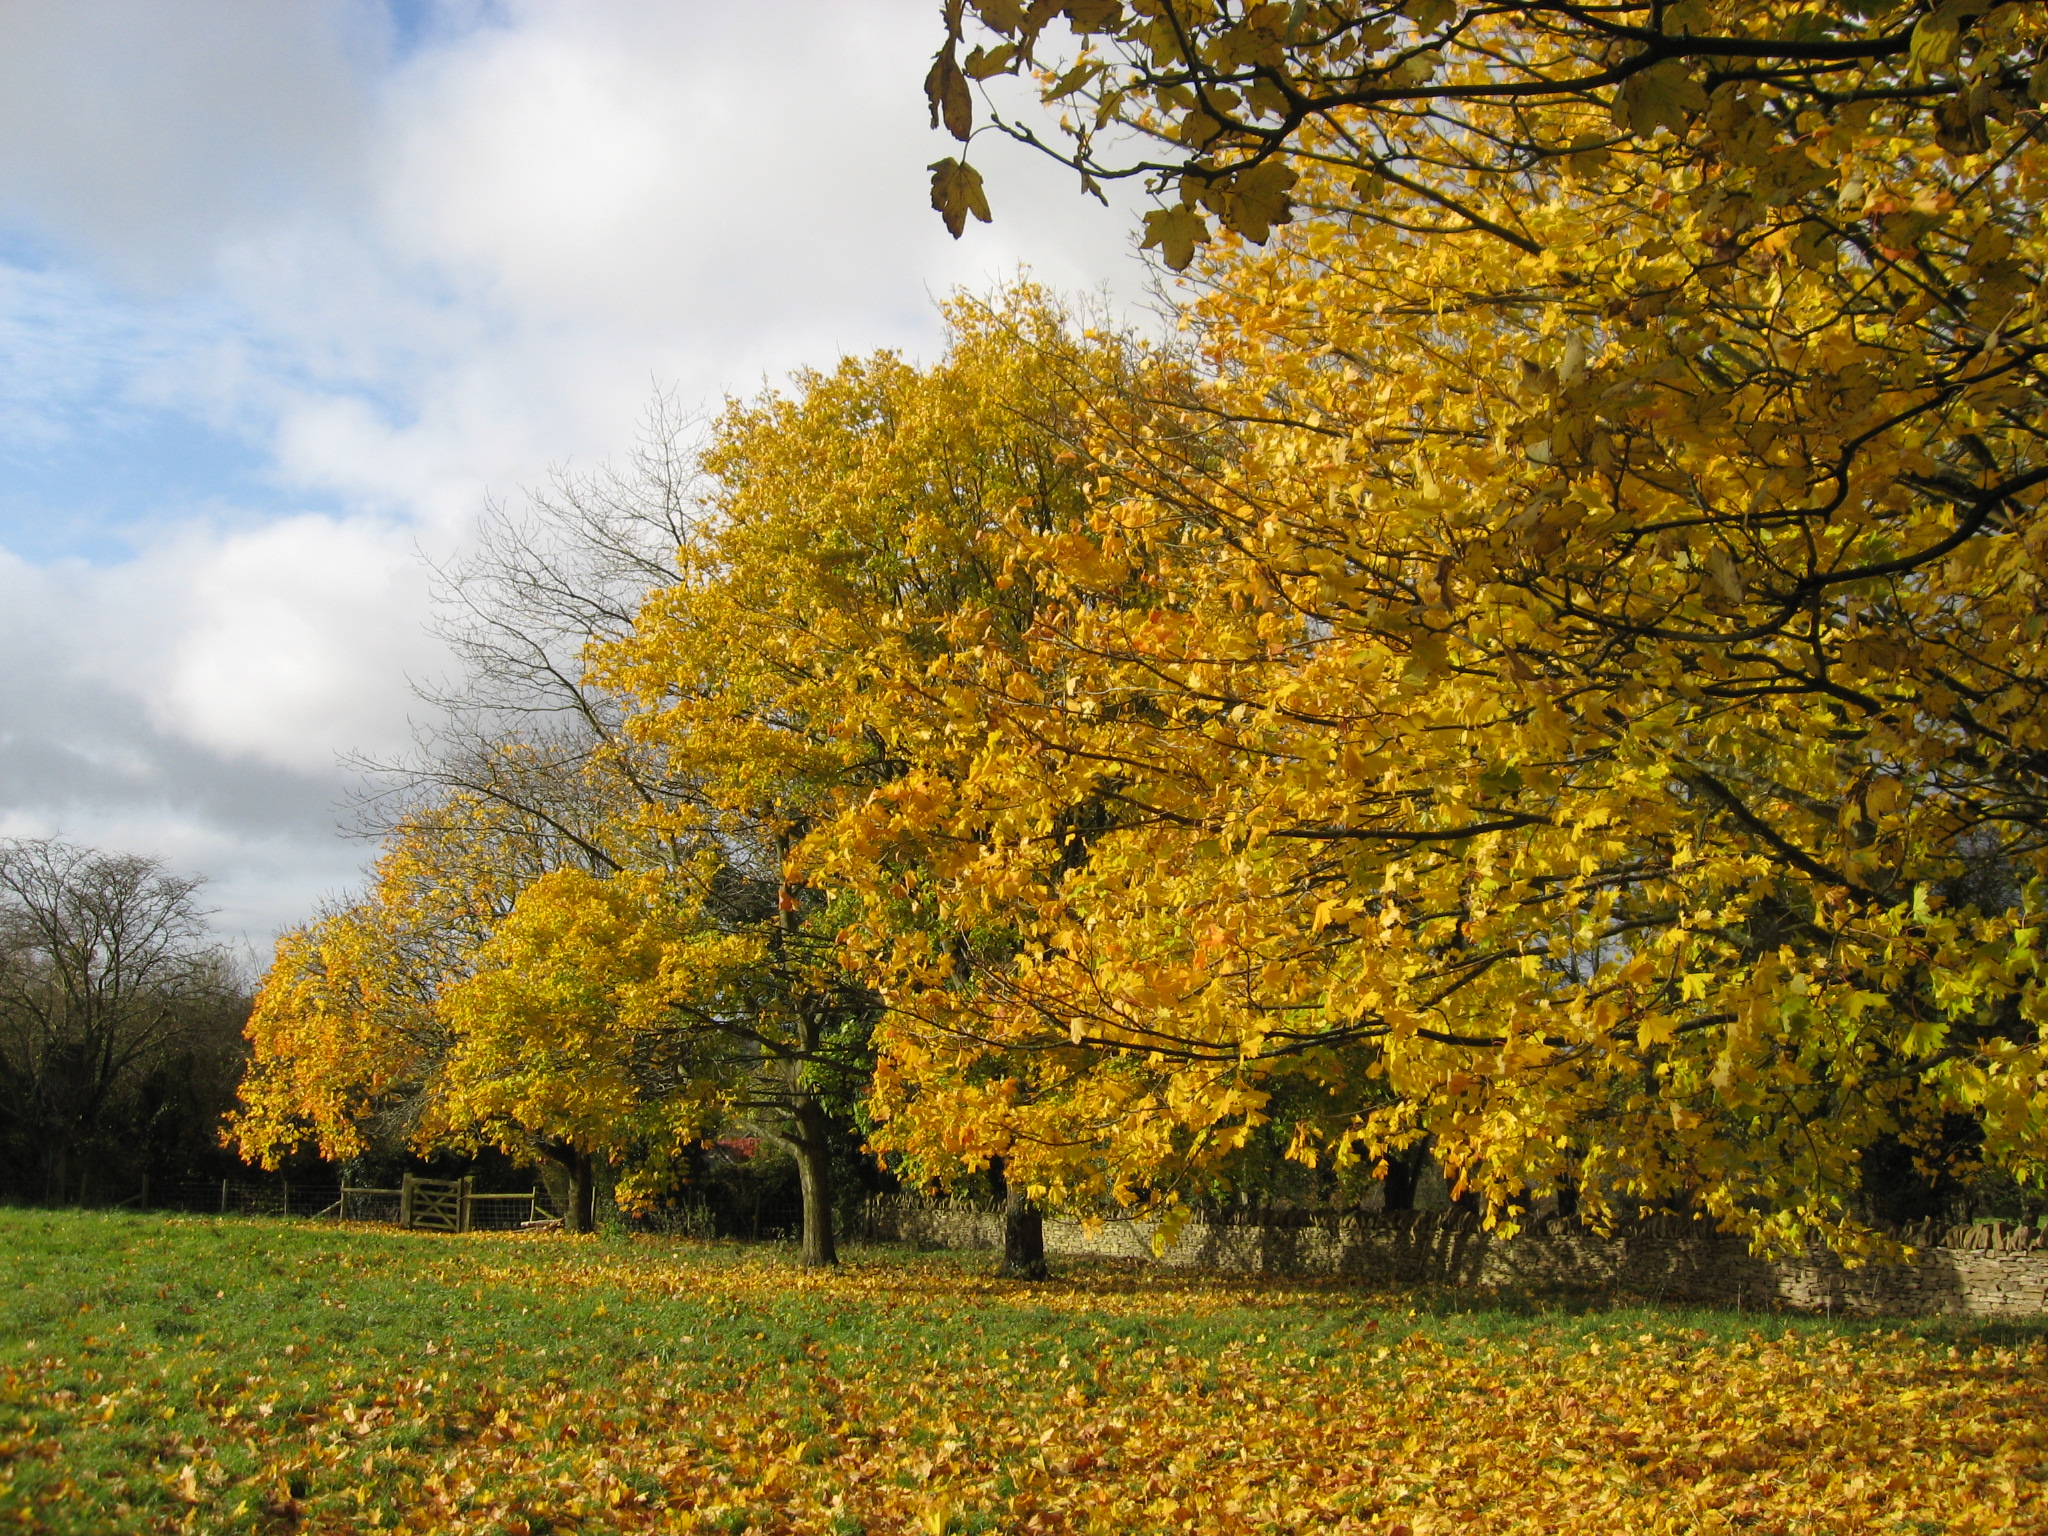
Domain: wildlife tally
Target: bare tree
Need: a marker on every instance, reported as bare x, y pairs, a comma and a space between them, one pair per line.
520, 725
106, 970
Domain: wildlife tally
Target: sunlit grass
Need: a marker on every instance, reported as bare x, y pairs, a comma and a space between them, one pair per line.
198, 1374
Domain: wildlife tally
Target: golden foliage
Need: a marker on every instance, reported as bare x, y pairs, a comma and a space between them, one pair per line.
557, 1031
1569, 681
1320, 750
477, 997
344, 1032
1551, 664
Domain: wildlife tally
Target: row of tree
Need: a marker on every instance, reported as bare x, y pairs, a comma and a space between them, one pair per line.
120, 1025
1547, 665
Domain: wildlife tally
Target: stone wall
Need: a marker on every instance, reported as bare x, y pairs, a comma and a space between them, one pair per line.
1985, 1270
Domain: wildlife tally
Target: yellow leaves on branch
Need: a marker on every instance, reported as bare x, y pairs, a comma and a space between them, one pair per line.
1565, 678
1446, 106
1551, 662
468, 1001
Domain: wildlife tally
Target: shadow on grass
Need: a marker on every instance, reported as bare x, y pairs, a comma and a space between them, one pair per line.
1468, 1312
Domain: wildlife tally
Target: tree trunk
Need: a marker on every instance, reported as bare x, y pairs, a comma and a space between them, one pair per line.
581, 1215
1023, 1228
814, 1172
55, 1171
582, 1195
1404, 1172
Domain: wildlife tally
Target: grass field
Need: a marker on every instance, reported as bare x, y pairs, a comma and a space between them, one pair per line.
223, 1375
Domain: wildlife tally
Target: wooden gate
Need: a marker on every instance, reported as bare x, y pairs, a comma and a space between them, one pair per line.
444, 1205
438, 1205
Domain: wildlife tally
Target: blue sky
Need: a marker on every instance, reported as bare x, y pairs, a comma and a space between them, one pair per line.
288, 288
95, 447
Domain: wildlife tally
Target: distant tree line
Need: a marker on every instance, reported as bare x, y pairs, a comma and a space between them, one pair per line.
121, 1022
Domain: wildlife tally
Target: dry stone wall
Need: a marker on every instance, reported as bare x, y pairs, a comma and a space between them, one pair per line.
1986, 1270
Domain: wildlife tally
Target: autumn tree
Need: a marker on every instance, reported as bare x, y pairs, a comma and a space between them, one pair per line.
523, 613
566, 1025
520, 772
350, 1048
861, 541
484, 992
1591, 670
488, 989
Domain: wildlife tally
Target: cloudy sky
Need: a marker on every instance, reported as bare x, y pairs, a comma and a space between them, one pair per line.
289, 287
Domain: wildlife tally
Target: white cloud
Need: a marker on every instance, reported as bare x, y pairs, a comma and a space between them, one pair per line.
143, 130
82, 650
291, 640
399, 277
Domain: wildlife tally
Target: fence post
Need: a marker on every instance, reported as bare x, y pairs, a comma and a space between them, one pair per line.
405, 1201
223, 1197
287, 1197
462, 1216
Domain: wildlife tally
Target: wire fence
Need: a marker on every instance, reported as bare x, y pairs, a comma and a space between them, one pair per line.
234, 1197
486, 1212
511, 1213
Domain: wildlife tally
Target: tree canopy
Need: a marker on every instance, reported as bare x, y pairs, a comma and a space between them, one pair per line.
1611, 677
1545, 665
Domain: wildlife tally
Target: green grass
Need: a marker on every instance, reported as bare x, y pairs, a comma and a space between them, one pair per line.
257, 1374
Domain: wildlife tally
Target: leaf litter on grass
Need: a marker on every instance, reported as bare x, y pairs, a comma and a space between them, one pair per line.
196, 1375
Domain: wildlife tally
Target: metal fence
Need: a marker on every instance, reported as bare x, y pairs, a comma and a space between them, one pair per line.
234, 1197
472, 1211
